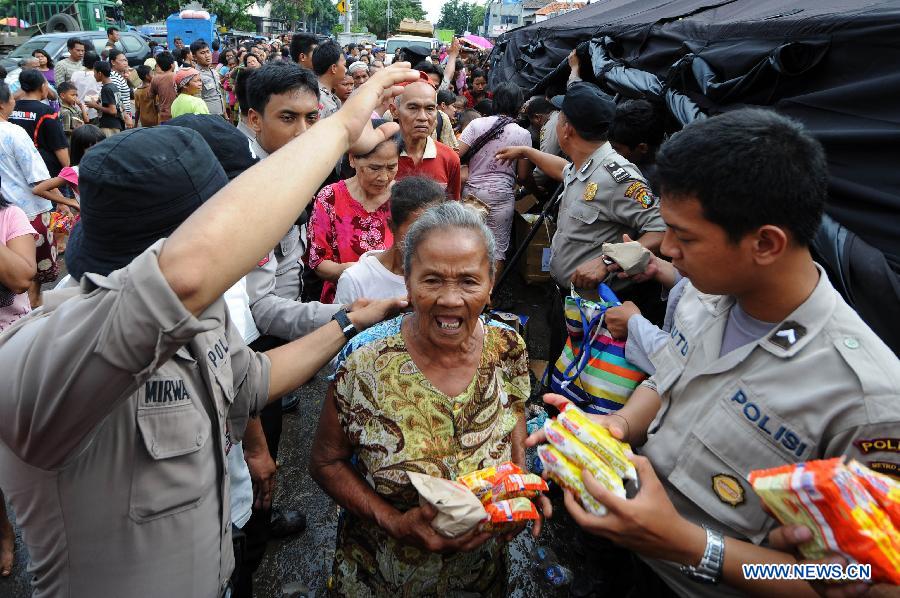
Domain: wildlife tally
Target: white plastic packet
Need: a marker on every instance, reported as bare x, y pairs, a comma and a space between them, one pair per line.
459, 510
632, 257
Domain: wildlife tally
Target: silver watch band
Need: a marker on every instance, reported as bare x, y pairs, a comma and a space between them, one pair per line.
710, 568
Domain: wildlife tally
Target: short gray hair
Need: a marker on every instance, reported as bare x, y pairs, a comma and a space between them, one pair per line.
447, 215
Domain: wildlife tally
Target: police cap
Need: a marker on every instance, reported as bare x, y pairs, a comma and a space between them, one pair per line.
588, 109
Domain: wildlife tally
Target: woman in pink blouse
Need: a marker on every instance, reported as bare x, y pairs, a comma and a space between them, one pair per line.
350, 217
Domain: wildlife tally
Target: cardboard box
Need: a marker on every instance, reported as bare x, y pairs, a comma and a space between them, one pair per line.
535, 263
526, 203
517, 322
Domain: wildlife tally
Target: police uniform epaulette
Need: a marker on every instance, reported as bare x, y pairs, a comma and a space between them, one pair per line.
617, 171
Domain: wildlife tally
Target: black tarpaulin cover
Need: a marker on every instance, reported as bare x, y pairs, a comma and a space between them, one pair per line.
834, 65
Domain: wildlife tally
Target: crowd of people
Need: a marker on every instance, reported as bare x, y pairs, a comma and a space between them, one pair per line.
235, 220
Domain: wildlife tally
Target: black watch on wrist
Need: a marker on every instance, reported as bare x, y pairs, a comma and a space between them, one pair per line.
346, 325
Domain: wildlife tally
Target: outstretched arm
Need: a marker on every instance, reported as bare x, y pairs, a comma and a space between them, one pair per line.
223, 240
550, 164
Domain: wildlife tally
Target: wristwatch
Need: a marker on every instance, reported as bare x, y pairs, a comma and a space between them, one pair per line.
346, 325
709, 570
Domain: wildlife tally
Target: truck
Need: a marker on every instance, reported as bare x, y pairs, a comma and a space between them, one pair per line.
413, 33
191, 25
60, 16
426, 44
416, 27
355, 38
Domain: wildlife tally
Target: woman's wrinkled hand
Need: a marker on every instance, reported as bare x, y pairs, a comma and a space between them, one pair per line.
414, 528
545, 508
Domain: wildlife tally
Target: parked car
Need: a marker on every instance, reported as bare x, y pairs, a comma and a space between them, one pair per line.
132, 43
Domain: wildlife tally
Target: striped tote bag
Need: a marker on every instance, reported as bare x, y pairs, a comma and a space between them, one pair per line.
592, 370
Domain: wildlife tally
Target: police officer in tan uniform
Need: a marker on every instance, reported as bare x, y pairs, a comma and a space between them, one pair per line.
765, 363
116, 469
605, 196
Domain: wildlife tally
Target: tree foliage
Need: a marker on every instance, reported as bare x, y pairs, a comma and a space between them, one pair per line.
373, 14
291, 10
230, 13
139, 12
324, 16
319, 15
461, 16
478, 11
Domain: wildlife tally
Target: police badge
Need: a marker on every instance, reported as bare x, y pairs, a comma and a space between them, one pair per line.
640, 193
590, 191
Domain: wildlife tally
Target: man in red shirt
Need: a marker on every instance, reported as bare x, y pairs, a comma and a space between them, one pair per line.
416, 112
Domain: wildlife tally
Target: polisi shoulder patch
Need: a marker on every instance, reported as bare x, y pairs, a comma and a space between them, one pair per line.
617, 172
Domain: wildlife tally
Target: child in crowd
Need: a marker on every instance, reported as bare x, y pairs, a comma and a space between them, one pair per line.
64, 217
109, 104
147, 114
188, 84
447, 104
83, 139
464, 119
72, 112
459, 105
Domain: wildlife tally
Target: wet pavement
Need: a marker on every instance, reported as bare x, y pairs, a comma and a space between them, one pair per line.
307, 558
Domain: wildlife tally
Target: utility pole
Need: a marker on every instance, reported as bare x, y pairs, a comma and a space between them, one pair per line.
389, 15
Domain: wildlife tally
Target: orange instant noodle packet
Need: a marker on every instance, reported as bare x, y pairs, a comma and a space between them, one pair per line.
505, 515
834, 503
516, 485
481, 482
884, 489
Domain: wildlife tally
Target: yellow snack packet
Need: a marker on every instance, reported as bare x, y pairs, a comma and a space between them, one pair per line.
598, 439
583, 457
568, 475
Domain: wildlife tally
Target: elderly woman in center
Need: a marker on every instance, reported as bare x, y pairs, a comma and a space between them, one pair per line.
438, 391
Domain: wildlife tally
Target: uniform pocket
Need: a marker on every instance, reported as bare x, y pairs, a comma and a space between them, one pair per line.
171, 474
287, 245
712, 472
669, 367
583, 217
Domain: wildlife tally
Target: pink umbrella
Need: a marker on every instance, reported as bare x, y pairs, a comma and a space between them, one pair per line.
478, 41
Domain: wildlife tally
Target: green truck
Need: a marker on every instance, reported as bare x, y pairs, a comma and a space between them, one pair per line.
59, 16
